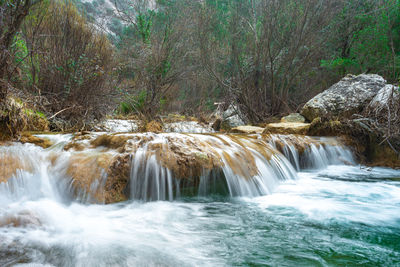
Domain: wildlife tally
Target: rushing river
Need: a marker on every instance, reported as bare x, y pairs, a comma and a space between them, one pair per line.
334, 215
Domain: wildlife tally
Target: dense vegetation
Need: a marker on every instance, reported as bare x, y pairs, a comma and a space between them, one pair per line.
78, 61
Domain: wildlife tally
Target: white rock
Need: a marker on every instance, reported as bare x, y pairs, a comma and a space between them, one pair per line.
187, 127
384, 96
119, 126
347, 97
233, 117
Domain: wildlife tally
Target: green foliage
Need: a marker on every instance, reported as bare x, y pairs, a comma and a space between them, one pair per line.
144, 22
35, 113
194, 53
338, 64
20, 49
366, 39
163, 103
133, 104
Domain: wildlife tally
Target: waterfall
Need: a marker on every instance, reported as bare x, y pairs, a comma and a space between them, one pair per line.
250, 166
152, 167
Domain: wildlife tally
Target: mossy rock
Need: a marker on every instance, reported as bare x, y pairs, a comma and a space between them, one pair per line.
13, 119
36, 121
154, 127
42, 142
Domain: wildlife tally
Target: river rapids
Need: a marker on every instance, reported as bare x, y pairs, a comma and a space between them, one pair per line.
245, 201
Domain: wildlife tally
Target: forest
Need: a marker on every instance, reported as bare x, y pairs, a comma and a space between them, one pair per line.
79, 61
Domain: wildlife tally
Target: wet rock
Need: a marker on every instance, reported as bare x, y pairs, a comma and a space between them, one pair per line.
287, 128
110, 141
294, 117
21, 219
88, 172
365, 142
185, 158
324, 127
345, 98
74, 146
10, 164
116, 188
42, 142
216, 125
153, 127
383, 155
248, 129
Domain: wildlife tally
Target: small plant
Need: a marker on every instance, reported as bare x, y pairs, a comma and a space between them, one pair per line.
133, 104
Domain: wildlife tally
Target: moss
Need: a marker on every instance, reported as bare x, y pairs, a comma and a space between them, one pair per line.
382, 155
12, 120
36, 121
224, 126
366, 144
153, 126
322, 127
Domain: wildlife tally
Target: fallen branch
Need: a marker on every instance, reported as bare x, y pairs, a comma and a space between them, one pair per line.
58, 112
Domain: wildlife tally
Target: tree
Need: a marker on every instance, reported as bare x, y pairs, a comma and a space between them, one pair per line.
73, 63
154, 50
12, 14
365, 38
270, 46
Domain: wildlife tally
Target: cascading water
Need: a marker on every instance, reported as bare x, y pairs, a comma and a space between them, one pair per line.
246, 167
50, 213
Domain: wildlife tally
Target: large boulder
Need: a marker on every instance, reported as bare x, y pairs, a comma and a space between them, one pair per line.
345, 98
232, 117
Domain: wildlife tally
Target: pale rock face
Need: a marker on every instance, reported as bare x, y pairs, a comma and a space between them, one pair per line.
349, 96
247, 129
287, 128
384, 96
187, 127
233, 117
293, 117
119, 126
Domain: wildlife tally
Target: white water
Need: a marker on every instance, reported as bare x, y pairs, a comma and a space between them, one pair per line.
45, 171
58, 228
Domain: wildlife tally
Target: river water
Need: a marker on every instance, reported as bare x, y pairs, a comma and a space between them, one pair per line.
328, 215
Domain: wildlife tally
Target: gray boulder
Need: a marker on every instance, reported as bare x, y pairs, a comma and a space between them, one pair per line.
232, 117
345, 98
383, 98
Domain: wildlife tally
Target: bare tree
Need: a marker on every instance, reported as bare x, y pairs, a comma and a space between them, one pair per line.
155, 51
271, 47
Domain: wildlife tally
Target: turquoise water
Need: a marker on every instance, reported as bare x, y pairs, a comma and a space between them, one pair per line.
339, 216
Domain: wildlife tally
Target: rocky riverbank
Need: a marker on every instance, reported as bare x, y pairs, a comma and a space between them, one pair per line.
344, 110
